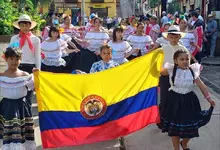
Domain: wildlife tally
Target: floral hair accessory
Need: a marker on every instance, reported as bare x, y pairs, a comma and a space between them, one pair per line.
61, 30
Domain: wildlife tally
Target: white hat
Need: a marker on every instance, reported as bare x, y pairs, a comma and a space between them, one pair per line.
163, 12
26, 18
210, 15
174, 29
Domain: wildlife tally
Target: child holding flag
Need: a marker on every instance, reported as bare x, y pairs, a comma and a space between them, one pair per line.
181, 115
16, 121
106, 62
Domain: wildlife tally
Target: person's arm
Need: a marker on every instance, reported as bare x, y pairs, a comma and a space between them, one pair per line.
195, 45
204, 91
38, 54
72, 44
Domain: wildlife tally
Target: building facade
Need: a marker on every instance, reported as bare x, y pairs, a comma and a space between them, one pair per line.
70, 7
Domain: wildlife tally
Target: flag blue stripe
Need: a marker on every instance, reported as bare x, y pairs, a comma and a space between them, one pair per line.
63, 119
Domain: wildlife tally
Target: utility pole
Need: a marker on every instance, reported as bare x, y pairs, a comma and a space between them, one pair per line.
83, 12
134, 6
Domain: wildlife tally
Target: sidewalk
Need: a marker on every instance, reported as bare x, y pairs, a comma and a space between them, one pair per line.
211, 73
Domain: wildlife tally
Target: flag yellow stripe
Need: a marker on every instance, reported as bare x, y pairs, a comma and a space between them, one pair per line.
65, 92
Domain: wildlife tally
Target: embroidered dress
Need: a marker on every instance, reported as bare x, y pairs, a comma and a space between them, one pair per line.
54, 51
16, 121
142, 42
101, 65
128, 31
71, 31
153, 34
181, 114
119, 50
162, 41
186, 40
96, 40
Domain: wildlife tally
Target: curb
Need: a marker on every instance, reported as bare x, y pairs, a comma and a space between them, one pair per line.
210, 84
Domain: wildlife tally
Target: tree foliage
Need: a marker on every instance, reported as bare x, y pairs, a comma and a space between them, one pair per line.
10, 11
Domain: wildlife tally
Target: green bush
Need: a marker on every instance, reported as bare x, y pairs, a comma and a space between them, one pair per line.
10, 12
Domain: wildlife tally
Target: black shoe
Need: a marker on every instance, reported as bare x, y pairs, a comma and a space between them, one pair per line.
182, 146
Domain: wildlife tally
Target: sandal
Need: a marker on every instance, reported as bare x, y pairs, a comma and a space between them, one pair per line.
182, 146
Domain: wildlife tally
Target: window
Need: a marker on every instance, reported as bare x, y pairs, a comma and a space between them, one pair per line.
97, 1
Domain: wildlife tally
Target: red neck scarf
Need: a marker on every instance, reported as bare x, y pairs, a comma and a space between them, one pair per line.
25, 37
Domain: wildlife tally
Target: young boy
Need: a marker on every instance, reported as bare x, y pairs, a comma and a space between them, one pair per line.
173, 35
106, 62
29, 44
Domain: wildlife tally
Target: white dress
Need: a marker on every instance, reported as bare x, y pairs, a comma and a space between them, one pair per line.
183, 80
96, 40
142, 42
16, 121
186, 40
54, 51
119, 50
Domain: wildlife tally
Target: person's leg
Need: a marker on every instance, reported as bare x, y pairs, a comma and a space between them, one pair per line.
185, 142
213, 44
176, 142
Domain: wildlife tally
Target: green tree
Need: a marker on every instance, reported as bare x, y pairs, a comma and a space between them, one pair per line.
7, 17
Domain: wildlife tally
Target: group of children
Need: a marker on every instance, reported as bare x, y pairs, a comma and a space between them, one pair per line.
180, 111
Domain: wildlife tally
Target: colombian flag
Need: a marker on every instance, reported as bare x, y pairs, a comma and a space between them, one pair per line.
87, 108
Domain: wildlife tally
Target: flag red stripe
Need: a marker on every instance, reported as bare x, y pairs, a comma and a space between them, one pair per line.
111, 130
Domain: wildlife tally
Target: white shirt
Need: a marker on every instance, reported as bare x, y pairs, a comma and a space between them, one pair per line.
15, 88
28, 56
141, 42
183, 82
186, 40
201, 18
96, 40
169, 50
109, 20
119, 50
53, 52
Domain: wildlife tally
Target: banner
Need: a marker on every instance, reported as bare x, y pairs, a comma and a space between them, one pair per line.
88, 108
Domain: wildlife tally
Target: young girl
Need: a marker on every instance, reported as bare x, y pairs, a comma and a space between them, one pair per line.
140, 41
54, 49
106, 62
155, 29
189, 40
96, 37
16, 121
181, 115
121, 50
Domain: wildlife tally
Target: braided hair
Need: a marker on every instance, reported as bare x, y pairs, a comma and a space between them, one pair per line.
175, 56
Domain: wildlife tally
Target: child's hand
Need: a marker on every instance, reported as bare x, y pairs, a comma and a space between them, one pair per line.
35, 69
212, 103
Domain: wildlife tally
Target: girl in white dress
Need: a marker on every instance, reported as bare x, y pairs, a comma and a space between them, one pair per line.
155, 29
69, 29
121, 50
96, 37
189, 40
181, 115
16, 121
54, 49
140, 41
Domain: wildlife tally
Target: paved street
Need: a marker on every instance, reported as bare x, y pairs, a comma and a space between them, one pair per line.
151, 138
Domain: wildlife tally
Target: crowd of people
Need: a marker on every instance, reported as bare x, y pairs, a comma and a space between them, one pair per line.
64, 48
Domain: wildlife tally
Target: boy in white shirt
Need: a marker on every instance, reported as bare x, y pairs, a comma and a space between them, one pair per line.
29, 44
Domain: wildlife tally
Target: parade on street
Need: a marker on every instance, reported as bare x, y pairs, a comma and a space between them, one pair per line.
109, 75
